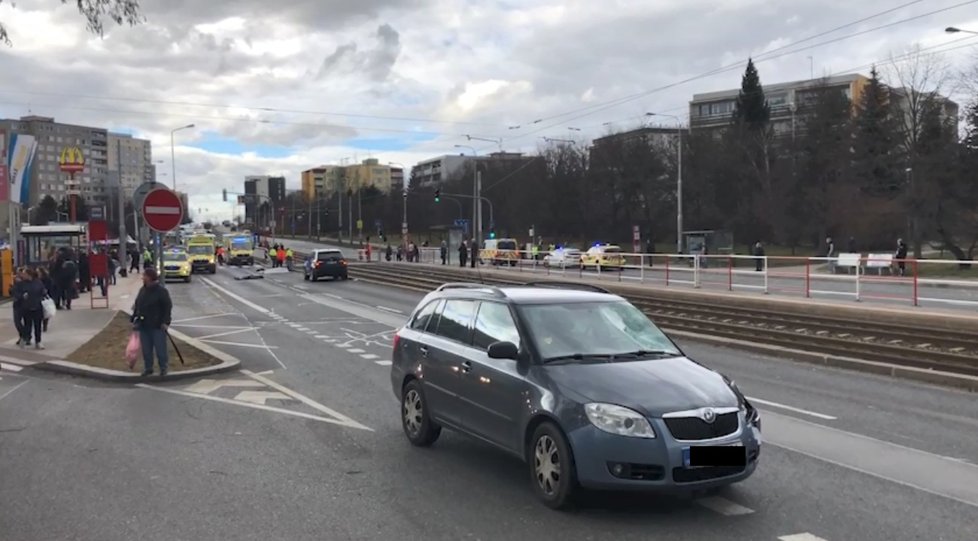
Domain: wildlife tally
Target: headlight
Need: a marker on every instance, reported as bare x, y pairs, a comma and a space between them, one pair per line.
618, 420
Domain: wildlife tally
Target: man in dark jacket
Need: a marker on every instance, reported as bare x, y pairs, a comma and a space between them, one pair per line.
65, 273
151, 316
32, 292
16, 292
84, 273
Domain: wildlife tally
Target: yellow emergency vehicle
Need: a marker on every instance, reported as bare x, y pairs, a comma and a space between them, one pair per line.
605, 256
176, 265
500, 252
240, 248
200, 249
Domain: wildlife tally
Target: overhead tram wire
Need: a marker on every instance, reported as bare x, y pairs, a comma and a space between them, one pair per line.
789, 45
760, 58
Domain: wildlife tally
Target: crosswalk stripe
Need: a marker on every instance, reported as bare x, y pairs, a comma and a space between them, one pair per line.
355, 350
384, 363
10, 367
368, 356
801, 537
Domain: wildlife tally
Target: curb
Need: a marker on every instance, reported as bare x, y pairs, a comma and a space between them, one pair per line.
936, 377
227, 364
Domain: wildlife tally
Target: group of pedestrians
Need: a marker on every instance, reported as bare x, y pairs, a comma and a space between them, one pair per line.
280, 256
28, 292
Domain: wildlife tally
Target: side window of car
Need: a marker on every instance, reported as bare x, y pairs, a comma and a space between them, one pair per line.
494, 324
425, 315
455, 322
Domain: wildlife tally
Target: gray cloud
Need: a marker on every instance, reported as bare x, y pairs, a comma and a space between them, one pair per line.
375, 64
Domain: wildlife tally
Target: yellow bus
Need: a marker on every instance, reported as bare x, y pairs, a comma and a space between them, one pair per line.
200, 249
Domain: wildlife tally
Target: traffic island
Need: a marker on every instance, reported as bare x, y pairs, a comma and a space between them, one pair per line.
103, 356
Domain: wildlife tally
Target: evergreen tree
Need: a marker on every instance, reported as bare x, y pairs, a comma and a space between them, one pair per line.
876, 139
751, 110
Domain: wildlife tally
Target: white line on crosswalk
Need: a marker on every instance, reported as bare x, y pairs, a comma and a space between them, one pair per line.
384, 363
322, 336
368, 356
10, 367
355, 350
723, 506
801, 537
301, 328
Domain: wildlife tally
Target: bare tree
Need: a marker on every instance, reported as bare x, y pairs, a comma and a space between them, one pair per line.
917, 81
96, 12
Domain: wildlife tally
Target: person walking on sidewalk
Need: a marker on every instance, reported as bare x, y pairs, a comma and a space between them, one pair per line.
15, 293
151, 317
134, 260
64, 275
48, 284
32, 292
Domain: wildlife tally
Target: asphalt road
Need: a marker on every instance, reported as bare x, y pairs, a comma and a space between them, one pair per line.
306, 443
891, 291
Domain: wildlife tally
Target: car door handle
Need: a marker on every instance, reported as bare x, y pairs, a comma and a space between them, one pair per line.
423, 350
466, 367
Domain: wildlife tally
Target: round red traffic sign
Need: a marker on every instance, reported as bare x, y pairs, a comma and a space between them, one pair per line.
162, 210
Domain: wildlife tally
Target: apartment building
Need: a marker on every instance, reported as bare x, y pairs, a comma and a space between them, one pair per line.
130, 160
368, 173
436, 170
262, 193
320, 181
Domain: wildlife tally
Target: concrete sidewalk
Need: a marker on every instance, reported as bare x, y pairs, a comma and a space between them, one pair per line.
70, 329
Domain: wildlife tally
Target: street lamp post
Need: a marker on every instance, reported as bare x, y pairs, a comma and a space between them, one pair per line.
404, 193
476, 195
173, 155
956, 30
679, 180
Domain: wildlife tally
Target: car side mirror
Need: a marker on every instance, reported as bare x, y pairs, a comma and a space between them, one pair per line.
503, 350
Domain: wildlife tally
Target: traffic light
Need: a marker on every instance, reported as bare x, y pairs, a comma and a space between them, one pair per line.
492, 232
437, 195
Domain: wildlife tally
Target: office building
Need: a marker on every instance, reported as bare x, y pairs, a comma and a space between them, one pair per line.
715, 109
262, 192
369, 173
434, 171
321, 181
136, 166
52, 138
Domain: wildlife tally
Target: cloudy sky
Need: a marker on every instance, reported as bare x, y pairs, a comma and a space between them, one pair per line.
277, 87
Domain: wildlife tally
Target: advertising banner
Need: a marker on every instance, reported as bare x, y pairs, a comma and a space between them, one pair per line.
20, 160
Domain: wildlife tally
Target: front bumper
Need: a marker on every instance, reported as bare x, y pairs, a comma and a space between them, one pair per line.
656, 464
203, 265
176, 273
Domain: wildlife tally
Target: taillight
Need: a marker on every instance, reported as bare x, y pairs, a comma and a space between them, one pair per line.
343, 262
318, 263
397, 340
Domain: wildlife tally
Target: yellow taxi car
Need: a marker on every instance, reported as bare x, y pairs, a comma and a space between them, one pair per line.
603, 256
176, 265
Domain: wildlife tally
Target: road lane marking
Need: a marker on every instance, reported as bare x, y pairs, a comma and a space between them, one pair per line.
266, 373
225, 333
928, 472
384, 363
259, 346
235, 296
10, 367
341, 422
259, 397
306, 400
293, 325
321, 336
311, 332
391, 310
16, 361
801, 537
723, 506
207, 386
19, 385
355, 350
360, 310
300, 328
792, 408
368, 356
185, 320
211, 326
331, 295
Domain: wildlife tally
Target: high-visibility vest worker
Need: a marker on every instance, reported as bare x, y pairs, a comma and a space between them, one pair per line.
288, 253
271, 253
147, 255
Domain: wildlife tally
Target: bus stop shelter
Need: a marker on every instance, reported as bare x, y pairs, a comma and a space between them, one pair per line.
39, 242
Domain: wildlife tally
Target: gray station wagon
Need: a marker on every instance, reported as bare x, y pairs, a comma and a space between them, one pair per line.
575, 381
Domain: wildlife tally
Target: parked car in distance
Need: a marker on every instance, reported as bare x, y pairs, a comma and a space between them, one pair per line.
325, 262
563, 258
176, 265
575, 381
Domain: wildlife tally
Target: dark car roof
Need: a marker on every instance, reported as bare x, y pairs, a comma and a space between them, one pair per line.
529, 295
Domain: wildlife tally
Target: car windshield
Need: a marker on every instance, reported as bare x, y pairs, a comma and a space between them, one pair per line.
241, 244
200, 250
175, 257
613, 329
506, 245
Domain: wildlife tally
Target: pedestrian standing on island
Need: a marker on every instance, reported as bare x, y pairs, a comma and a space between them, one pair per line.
474, 252
463, 254
32, 293
151, 317
901, 257
759, 254
444, 253
830, 254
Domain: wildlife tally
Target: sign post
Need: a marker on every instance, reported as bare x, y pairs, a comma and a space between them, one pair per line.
162, 211
636, 240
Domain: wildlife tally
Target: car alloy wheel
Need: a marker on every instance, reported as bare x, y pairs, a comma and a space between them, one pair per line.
552, 467
418, 427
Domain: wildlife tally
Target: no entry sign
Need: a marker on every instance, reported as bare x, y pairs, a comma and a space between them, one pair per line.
162, 210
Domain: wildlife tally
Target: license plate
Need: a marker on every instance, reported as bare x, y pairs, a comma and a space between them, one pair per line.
734, 454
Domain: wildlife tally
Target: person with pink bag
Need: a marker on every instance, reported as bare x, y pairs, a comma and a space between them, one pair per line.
151, 318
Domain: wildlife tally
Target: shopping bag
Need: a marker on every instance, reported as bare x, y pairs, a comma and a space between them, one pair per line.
132, 349
47, 304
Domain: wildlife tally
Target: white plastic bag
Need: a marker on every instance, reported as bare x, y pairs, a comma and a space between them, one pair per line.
133, 347
47, 304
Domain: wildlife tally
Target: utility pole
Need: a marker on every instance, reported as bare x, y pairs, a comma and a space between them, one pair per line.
309, 226
350, 215
123, 245
478, 203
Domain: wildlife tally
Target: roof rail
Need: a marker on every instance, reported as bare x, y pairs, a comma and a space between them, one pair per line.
556, 284
472, 285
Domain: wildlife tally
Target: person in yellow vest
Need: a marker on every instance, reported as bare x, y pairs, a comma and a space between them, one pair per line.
273, 255
288, 258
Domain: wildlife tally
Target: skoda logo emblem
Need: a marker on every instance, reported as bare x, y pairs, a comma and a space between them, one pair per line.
709, 415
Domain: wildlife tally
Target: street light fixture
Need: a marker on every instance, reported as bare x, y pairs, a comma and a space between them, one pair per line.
955, 30
173, 157
556, 140
679, 179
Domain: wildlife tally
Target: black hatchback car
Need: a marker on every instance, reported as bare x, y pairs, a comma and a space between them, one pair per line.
580, 384
325, 262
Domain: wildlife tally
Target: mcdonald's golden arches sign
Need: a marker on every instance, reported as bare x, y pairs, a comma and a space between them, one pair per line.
72, 160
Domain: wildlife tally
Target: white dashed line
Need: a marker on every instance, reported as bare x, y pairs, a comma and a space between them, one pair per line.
391, 310
311, 332
10, 367
322, 337
301, 328
384, 363
355, 350
333, 296
368, 356
791, 408
328, 340
294, 325
801, 537
724, 506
